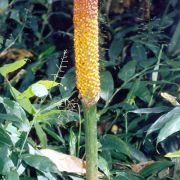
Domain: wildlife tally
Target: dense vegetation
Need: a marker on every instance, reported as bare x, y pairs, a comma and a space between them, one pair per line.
138, 110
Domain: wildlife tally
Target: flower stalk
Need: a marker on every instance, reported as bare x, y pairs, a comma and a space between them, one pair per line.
91, 143
86, 48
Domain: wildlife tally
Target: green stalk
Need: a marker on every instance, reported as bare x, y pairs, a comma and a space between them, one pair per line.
91, 142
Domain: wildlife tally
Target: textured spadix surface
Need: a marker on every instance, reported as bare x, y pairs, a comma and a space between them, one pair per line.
86, 49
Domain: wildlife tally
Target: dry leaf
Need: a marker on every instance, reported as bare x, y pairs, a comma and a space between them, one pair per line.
170, 98
67, 163
138, 167
15, 54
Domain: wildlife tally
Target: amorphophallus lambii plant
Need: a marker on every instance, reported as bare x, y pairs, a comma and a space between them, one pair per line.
86, 48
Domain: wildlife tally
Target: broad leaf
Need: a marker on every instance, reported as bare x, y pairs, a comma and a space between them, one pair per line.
103, 166
46, 52
127, 71
175, 154
136, 154
4, 137
127, 176
174, 46
117, 44
138, 52
41, 135
24, 102
7, 68
72, 143
38, 89
12, 175
40, 163
68, 83
160, 122
107, 85
14, 109
57, 102
154, 110
112, 142
155, 167
172, 126
116, 48
48, 114
6, 164
54, 135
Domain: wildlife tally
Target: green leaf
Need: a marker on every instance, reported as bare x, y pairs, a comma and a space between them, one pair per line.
160, 122
15, 15
132, 93
9, 117
41, 135
173, 62
138, 89
68, 83
4, 137
48, 84
127, 71
6, 164
66, 116
40, 163
154, 110
12, 175
112, 142
117, 44
127, 176
172, 125
143, 92
175, 154
116, 48
17, 122
153, 47
47, 115
72, 143
174, 46
103, 166
27, 178
47, 52
53, 66
40, 177
34, 88
49, 176
107, 85
76, 178
25, 102
13, 108
54, 135
57, 102
13, 132
148, 63
155, 167
137, 154
138, 52
7, 68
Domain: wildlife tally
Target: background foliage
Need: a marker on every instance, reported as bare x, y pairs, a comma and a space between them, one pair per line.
138, 111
